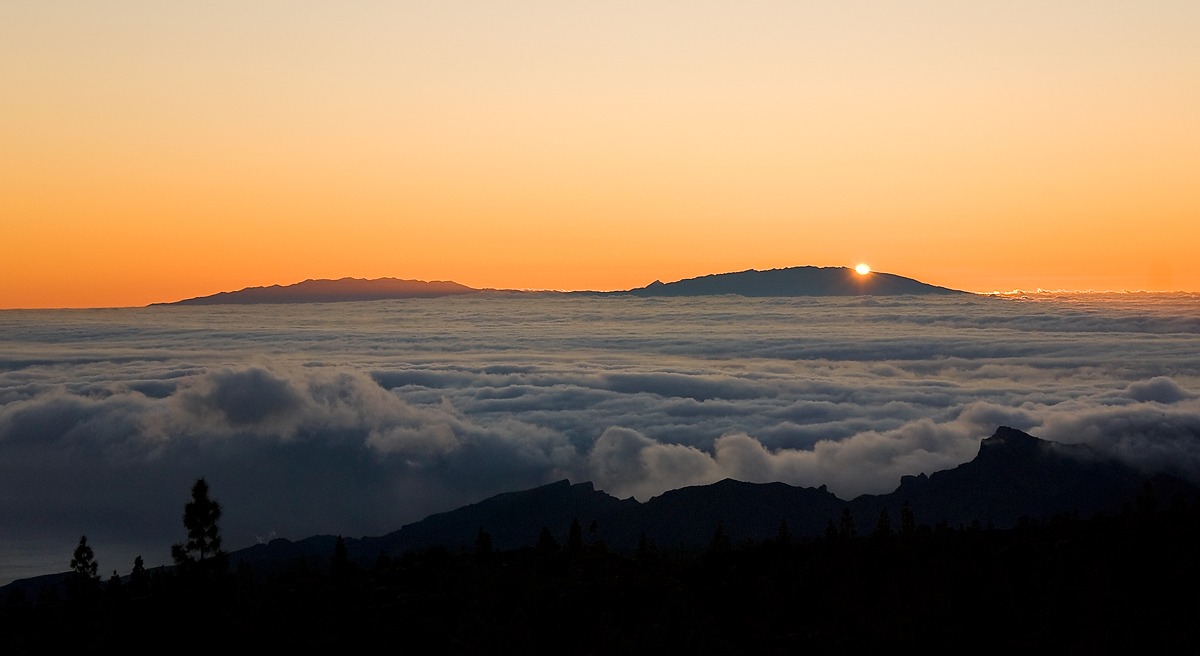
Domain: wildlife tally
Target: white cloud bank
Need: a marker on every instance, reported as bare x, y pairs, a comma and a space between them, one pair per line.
358, 418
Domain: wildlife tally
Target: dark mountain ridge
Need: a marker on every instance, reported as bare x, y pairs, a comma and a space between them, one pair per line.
333, 291
793, 281
1014, 475
1111, 583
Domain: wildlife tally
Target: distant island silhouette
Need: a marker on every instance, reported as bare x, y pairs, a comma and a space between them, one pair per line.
794, 281
787, 282
333, 291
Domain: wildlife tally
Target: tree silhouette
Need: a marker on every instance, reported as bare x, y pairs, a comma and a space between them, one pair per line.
646, 548
847, 531
908, 521
83, 561
384, 561
139, 578
339, 565
720, 541
883, 527
83, 580
575, 538
546, 542
483, 543
200, 517
114, 587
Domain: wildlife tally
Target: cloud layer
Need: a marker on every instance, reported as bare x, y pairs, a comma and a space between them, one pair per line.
357, 418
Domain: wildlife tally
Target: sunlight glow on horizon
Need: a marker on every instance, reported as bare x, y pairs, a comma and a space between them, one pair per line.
155, 151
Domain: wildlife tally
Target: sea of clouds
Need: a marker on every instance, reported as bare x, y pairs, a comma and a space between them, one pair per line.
356, 418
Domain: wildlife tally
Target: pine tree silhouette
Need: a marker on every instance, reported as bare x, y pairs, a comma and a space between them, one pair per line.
483, 543
384, 561
114, 588
339, 565
83, 580
720, 541
783, 537
200, 517
908, 521
644, 552
139, 578
546, 542
847, 531
883, 527
83, 561
575, 538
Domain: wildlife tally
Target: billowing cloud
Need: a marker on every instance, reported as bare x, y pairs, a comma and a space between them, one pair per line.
1159, 389
871, 462
358, 418
245, 397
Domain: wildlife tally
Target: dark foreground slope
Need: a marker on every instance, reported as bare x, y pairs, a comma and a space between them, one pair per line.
995, 556
333, 291
793, 281
1120, 583
1014, 475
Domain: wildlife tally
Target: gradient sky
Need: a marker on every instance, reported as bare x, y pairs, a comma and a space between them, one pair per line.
151, 151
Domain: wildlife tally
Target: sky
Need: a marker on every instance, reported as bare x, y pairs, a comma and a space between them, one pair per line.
357, 418
153, 151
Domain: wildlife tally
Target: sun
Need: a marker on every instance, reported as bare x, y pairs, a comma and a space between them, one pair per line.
862, 269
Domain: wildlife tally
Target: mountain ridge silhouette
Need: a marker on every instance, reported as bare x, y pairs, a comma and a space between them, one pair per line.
332, 291
794, 281
785, 282
1014, 475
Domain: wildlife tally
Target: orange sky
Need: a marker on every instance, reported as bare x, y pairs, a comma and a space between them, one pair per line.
152, 151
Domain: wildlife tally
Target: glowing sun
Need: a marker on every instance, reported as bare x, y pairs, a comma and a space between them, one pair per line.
862, 269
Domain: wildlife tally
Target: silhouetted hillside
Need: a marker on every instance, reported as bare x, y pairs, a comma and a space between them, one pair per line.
689, 515
333, 291
793, 281
513, 520
1113, 583
1014, 475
